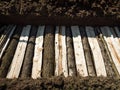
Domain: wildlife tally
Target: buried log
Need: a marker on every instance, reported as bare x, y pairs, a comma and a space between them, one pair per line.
88, 53
17, 61
96, 52
4, 36
9, 53
27, 65
79, 52
7, 41
49, 52
70, 53
61, 67
109, 69
37, 59
110, 46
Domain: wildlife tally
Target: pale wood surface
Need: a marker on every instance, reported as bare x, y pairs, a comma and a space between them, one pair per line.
60, 52
56, 50
7, 42
108, 36
96, 52
37, 59
64, 57
17, 61
79, 53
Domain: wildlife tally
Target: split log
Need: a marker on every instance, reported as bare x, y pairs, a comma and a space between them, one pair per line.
9, 53
27, 64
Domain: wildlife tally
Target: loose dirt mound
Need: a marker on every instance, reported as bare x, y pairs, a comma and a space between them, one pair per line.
79, 8
61, 83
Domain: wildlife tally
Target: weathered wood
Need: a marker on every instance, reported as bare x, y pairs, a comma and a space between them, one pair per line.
62, 55
79, 53
70, 53
28, 59
4, 36
88, 53
96, 52
49, 53
17, 61
111, 46
37, 59
105, 53
116, 43
56, 50
9, 53
60, 52
6, 44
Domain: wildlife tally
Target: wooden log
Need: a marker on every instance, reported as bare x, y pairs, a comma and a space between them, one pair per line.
9, 53
2, 29
88, 53
105, 53
79, 53
96, 52
60, 52
70, 53
49, 53
28, 59
4, 37
5, 32
5, 29
116, 42
56, 50
111, 46
17, 61
7, 42
37, 59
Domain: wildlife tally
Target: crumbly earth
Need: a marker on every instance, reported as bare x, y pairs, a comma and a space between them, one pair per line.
61, 83
71, 8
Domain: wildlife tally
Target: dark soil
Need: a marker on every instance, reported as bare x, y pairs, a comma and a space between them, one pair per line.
71, 8
61, 83
49, 52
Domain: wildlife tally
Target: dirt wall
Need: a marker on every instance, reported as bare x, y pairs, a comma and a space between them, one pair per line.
61, 83
71, 8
